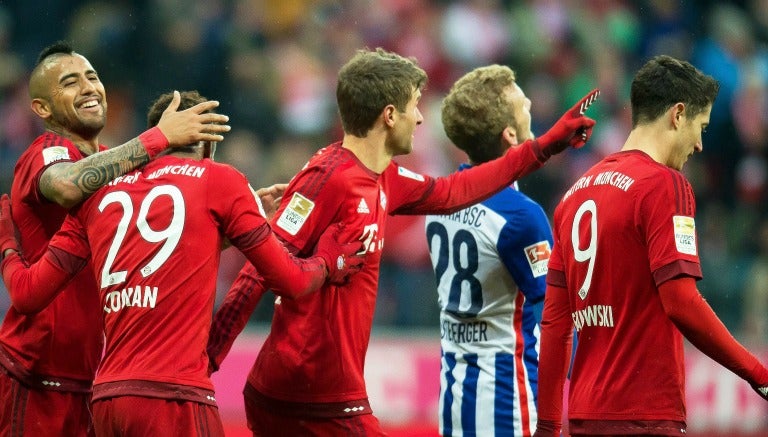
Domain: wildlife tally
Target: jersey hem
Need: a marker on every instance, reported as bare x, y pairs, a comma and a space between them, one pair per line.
307, 409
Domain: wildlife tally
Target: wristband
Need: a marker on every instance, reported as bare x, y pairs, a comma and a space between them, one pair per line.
154, 141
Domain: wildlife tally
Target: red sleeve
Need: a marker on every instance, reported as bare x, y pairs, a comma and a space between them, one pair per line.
53, 149
417, 194
32, 288
700, 325
555, 353
233, 314
249, 231
305, 193
666, 212
282, 272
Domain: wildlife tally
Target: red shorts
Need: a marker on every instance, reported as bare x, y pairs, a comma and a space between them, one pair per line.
42, 413
264, 423
138, 416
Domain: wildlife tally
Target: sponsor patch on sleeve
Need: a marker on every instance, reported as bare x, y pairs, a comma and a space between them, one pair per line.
685, 234
55, 153
538, 257
402, 171
295, 214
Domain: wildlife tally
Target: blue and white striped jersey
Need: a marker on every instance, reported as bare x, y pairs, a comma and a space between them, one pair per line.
490, 262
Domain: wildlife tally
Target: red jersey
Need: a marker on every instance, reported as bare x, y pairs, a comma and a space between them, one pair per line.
154, 236
316, 349
64, 340
626, 226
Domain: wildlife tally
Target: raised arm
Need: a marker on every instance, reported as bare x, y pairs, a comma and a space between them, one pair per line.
69, 183
449, 194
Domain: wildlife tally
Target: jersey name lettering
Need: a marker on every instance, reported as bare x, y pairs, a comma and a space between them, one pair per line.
130, 297
593, 315
127, 179
611, 178
464, 332
472, 216
184, 170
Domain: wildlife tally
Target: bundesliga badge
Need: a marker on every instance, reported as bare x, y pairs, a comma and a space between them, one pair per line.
340, 262
295, 214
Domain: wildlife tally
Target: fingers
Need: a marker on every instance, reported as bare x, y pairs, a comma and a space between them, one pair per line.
175, 102
215, 119
585, 102
279, 189
208, 105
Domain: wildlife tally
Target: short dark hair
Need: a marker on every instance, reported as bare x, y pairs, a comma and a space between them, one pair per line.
57, 48
372, 80
476, 111
664, 81
188, 100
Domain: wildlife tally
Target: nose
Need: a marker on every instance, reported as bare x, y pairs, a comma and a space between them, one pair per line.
86, 86
419, 117
698, 147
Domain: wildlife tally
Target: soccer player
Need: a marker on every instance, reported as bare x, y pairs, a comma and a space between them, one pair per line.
308, 376
490, 261
154, 237
48, 360
623, 272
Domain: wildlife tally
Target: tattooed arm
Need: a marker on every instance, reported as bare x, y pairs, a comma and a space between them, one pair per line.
69, 183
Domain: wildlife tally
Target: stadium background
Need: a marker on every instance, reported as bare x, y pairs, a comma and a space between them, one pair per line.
273, 64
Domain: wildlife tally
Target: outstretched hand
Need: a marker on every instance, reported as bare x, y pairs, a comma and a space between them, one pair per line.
7, 229
191, 125
342, 259
572, 129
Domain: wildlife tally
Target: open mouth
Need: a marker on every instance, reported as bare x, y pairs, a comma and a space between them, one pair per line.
90, 105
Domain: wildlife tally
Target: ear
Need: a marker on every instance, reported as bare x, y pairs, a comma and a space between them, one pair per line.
677, 112
41, 108
509, 137
389, 115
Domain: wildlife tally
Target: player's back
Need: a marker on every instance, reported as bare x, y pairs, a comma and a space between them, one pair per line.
155, 236
615, 231
488, 335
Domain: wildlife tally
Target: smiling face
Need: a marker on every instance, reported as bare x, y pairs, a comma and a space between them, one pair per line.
68, 94
689, 138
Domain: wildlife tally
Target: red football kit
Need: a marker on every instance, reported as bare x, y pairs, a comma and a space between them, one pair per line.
154, 236
312, 362
60, 347
622, 232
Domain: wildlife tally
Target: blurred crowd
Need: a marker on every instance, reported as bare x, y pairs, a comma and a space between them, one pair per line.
272, 64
